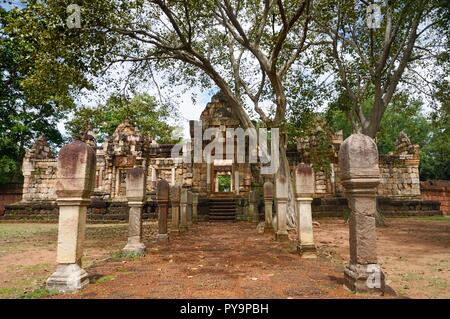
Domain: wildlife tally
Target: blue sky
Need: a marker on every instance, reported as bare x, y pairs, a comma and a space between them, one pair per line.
8, 4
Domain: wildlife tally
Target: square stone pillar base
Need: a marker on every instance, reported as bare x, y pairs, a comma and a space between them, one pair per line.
281, 236
68, 278
162, 237
368, 279
307, 250
134, 249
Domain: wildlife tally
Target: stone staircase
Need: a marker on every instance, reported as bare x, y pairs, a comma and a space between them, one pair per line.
222, 207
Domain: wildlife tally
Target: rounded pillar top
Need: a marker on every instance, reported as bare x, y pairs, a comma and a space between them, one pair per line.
76, 170
281, 187
358, 158
304, 180
136, 188
162, 190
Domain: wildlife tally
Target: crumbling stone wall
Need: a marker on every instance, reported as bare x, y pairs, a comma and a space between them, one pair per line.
39, 171
437, 191
400, 170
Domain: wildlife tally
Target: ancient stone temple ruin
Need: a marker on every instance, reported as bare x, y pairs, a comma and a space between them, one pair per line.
225, 189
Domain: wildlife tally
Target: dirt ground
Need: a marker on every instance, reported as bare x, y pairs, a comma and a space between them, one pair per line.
227, 260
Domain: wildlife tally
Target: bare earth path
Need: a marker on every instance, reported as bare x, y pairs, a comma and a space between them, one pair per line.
218, 260
227, 260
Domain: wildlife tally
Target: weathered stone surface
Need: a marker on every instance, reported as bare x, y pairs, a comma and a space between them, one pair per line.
68, 278
189, 208
136, 184
304, 179
162, 195
360, 177
268, 206
175, 194
281, 191
268, 190
76, 173
194, 207
183, 210
358, 158
136, 187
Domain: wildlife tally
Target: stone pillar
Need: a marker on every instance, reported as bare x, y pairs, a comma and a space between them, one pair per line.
253, 206
194, 207
154, 178
304, 186
268, 205
281, 190
360, 176
173, 176
189, 208
75, 183
136, 188
183, 209
175, 199
162, 199
236, 182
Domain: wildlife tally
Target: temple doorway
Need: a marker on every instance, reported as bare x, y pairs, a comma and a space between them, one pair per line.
223, 182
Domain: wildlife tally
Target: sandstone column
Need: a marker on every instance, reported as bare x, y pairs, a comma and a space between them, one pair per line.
153, 177
194, 207
75, 183
136, 197
253, 206
183, 209
172, 180
360, 176
281, 190
189, 208
162, 199
304, 185
175, 199
268, 205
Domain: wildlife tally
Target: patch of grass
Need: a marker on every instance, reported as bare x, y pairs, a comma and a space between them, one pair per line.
7, 292
438, 283
435, 218
38, 293
120, 255
14, 231
411, 276
36, 268
105, 278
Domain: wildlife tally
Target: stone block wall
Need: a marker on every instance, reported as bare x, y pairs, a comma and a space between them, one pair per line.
399, 176
39, 183
437, 191
39, 172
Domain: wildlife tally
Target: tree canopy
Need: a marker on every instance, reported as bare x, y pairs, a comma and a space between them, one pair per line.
142, 110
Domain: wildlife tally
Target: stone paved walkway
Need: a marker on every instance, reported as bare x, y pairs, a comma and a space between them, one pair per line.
217, 260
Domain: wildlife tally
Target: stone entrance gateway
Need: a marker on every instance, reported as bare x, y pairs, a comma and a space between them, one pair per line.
223, 177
